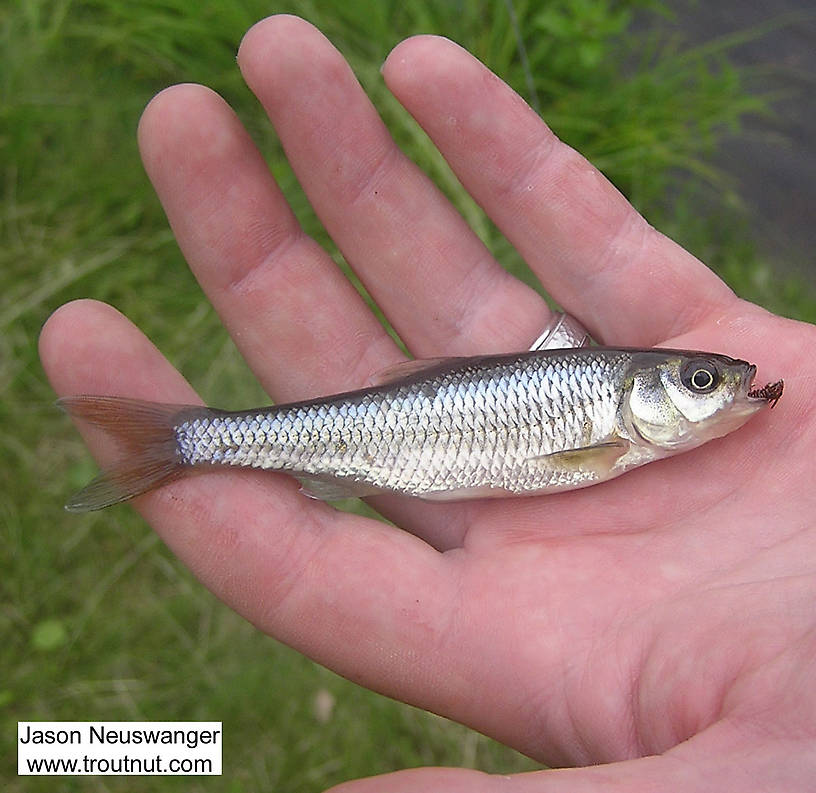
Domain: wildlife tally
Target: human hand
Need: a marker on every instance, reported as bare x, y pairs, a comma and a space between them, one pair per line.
668, 613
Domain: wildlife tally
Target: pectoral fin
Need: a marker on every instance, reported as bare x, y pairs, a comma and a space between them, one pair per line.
599, 459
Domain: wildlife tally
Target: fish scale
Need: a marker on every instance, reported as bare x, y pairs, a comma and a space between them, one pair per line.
514, 424
487, 425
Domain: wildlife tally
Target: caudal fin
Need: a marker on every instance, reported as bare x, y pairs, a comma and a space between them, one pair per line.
147, 434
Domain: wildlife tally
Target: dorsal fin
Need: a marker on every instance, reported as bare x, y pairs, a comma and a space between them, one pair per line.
563, 331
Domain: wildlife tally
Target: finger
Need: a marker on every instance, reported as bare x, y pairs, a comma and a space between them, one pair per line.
369, 601
300, 324
593, 253
356, 595
434, 279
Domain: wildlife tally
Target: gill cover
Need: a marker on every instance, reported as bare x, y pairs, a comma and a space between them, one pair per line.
648, 413
683, 400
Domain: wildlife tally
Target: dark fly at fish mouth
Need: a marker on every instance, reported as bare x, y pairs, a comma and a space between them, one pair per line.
770, 392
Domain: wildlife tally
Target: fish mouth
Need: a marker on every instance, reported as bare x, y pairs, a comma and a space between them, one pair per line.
769, 393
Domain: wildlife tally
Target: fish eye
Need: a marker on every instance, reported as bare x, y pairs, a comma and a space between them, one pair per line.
700, 376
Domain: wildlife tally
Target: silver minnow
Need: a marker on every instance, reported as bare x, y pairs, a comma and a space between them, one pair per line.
456, 428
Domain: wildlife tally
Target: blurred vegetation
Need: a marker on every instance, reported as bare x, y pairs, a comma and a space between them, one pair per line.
99, 620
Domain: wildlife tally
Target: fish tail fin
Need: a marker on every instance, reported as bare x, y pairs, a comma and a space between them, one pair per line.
146, 431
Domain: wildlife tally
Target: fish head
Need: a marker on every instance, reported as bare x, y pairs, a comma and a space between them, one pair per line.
677, 400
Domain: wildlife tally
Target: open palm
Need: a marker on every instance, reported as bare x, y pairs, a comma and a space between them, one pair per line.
670, 612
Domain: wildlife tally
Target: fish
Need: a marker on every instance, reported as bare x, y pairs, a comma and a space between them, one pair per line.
514, 424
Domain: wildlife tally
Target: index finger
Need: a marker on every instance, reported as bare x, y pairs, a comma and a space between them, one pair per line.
591, 250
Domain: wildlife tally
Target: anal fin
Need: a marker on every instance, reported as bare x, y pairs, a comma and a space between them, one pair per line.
464, 493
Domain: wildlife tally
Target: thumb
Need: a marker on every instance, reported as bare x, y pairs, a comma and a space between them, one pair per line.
715, 760
652, 774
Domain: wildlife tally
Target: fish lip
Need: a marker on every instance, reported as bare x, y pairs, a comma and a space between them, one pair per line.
748, 381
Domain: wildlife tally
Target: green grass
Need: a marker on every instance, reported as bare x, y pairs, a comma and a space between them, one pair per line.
98, 620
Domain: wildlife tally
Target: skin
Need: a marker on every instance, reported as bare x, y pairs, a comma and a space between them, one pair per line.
661, 626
